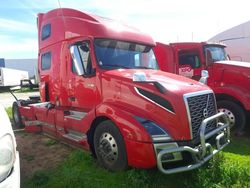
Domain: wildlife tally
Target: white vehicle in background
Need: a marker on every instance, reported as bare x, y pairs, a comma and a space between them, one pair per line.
12, 77
9, 156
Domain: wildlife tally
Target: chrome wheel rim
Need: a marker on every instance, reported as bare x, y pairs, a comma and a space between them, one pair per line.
107, 148
230, 116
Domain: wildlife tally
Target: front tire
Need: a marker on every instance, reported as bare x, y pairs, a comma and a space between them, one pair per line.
235, 114
110, 147
16, 116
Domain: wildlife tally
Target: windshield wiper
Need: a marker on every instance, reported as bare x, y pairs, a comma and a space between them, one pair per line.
116, 66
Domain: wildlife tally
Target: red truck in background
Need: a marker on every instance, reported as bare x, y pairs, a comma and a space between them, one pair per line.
230, 80
100, 89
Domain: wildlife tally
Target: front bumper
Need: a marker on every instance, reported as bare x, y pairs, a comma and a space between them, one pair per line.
201, 153
13, 180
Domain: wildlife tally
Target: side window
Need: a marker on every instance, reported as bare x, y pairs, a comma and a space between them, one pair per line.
84, 51
46, 61
191, 59
85, 55
46, 31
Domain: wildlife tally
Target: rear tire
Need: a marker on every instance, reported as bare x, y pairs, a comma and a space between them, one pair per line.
235, 114
110, 147
16, 116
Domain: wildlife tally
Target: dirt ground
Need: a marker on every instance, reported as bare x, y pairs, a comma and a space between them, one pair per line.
39, 152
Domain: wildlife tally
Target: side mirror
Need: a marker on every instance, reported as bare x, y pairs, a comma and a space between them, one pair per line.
142, 78
139, 77
85, 47
75, 54
204, 76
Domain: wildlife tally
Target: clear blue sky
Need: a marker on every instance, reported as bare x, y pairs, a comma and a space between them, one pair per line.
167, 21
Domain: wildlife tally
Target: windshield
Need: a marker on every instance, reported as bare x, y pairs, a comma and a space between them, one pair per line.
113, 54
215, 53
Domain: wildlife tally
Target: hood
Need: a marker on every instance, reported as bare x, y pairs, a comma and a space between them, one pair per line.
234, 63
234, 72
231, 74
145, 100
171, 82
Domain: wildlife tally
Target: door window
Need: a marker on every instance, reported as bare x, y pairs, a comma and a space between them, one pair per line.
191, 59
84, 52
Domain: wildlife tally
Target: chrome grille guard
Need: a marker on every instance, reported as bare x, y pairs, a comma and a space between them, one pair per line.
199, 153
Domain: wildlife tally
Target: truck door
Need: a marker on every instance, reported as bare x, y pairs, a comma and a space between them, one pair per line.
83, 82
189, 64
84, 86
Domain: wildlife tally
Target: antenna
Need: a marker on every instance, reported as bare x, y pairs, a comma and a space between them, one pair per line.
59, 3
64, 23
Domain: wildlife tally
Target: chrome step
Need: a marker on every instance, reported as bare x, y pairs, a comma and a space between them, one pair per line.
75, 136
76, 115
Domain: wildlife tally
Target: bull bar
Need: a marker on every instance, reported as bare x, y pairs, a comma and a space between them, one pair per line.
203, 152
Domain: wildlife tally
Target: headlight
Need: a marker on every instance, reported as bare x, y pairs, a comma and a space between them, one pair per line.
156, 132
7, 155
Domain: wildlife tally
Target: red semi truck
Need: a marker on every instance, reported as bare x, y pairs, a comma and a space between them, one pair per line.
100, 89
230, 80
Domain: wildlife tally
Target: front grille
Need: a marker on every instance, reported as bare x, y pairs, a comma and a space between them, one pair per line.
201, 107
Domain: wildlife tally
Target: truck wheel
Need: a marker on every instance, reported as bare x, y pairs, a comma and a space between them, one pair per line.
16, 116
110, 147
235, 114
